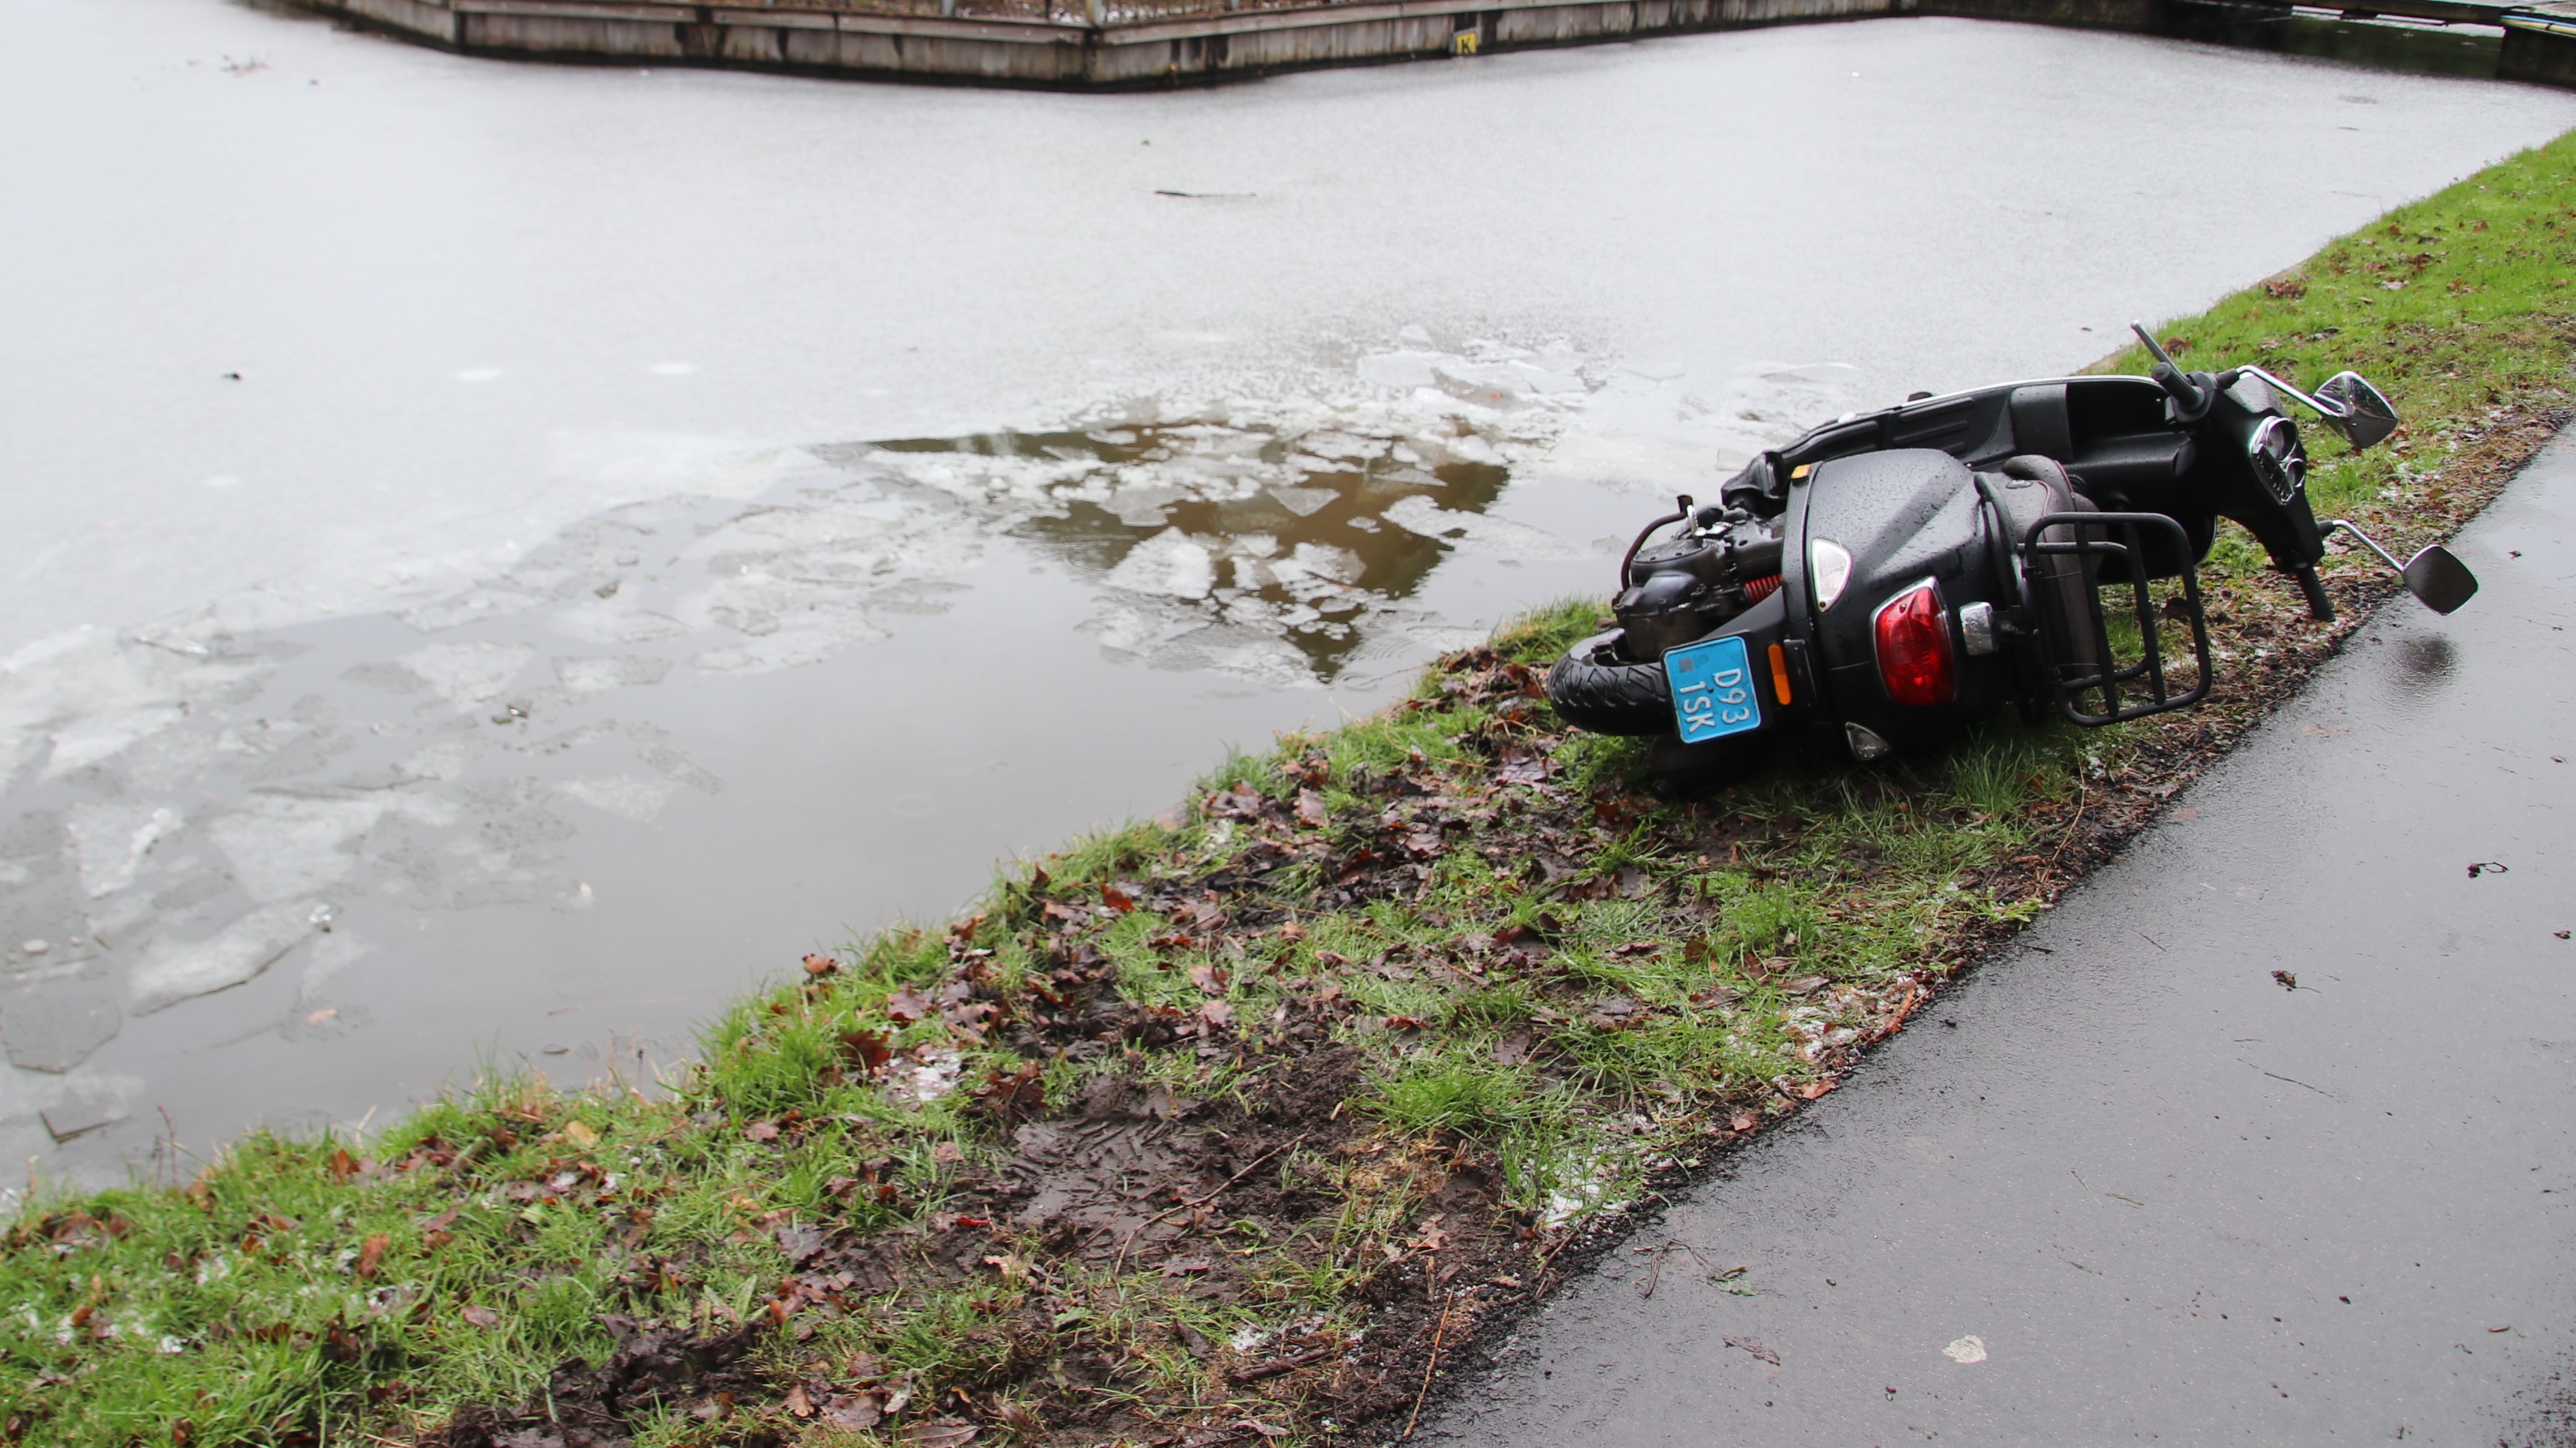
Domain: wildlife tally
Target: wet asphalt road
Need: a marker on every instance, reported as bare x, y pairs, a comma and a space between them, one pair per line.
2169, 1199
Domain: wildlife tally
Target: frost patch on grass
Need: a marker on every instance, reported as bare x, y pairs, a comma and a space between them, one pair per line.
926, 1077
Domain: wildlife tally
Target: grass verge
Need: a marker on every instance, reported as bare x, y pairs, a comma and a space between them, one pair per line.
1236, 1128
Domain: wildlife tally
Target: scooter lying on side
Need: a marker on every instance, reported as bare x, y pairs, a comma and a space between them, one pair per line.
1891, 574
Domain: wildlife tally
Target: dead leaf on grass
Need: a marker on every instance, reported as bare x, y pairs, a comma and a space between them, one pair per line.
855, 1412
866, 1050
479, 1315
1014, 1096
799, 1240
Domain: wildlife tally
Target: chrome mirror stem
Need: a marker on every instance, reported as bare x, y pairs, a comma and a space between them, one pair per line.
2346, 525
2319, 406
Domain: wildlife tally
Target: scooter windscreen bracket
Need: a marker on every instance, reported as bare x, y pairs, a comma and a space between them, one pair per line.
2095, 681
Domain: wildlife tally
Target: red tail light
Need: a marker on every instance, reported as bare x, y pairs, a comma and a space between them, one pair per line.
1914, 658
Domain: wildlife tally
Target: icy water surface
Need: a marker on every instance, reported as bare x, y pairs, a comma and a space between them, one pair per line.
499, 558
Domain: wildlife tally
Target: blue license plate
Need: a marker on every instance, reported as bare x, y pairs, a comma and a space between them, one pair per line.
1713, 694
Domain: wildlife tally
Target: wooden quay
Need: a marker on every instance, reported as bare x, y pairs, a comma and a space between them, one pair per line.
1126, 44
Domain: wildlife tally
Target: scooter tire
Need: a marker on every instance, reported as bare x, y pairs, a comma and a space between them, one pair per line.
1593, 688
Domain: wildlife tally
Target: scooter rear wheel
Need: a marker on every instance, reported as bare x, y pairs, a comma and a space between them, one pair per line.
1594, 688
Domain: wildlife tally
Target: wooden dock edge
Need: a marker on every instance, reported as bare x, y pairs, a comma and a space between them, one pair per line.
2538, 43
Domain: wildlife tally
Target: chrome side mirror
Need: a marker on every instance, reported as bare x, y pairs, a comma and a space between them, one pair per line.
2436, 576
2358, 412
2439, 579
2367, 416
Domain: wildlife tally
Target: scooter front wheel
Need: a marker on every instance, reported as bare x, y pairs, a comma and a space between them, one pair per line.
1594, 688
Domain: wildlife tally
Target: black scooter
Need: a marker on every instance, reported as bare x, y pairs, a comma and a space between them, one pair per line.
1891, 574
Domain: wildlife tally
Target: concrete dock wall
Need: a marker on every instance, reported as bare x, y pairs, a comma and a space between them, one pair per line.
1095, 44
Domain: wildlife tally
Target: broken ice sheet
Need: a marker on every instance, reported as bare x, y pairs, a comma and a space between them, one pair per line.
287, 846
1169, 562
330, 955
1499, 536
87, 741
84, 1107
110, 841
469, 675
627, 796
585, 677
55, 1028
173, 971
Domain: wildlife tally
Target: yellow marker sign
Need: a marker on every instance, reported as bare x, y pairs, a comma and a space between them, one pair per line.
1464, 42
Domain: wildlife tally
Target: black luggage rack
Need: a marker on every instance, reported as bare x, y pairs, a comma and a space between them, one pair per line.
2104, 544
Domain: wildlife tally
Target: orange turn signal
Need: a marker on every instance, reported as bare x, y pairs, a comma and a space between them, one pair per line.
1779, 673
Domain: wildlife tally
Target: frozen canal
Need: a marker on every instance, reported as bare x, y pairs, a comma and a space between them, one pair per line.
498, 558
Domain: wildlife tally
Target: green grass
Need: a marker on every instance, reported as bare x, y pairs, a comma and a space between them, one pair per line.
1556, 986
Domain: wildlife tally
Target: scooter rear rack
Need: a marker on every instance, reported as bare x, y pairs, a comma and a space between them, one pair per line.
2094, 540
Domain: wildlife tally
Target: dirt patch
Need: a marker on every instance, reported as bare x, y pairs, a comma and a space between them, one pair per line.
597, 1407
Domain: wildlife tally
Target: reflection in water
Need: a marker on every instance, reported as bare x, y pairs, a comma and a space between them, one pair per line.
198, 806
1221, 543
2425, 663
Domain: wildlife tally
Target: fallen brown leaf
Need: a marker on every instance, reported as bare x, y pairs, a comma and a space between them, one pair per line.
855, 1412
866, 1050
